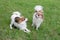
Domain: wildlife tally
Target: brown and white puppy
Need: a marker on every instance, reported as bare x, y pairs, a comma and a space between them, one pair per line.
19, 21
21, 24
38, 16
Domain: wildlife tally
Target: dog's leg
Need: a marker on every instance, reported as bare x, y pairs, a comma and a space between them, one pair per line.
26, 30
32, 24
11, 25
37, 26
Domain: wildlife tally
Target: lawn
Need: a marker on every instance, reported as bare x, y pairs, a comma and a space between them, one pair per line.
49, 30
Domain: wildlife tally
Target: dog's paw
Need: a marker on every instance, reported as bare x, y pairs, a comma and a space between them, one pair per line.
10, 27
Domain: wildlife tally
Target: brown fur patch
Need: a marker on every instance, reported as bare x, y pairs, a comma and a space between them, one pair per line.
19, 20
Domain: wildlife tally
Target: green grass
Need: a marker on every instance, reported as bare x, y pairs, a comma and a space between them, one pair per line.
49, 30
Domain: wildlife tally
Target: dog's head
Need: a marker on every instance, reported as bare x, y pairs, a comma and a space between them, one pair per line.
19, 19
39, 11
16, 13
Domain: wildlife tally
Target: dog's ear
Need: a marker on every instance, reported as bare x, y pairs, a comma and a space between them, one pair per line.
38, 7
17, 19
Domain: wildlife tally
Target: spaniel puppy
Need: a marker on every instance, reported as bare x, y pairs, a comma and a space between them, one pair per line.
37, 16
19, 22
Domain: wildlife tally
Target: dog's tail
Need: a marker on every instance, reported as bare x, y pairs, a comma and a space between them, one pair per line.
17, 13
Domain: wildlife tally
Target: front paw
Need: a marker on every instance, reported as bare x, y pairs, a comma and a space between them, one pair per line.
10, 27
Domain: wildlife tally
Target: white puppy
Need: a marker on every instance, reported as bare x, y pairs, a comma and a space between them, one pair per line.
19, 21
37, 16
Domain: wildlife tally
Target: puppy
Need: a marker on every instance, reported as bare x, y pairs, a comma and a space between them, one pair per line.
38, 16
19, 22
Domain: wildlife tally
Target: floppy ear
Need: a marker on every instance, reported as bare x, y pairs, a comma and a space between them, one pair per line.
17, 19
42, 7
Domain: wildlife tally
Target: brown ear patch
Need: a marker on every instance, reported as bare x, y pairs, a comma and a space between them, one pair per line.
19, 20
22, 19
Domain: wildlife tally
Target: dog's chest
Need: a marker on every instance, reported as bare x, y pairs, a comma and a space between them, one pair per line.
38, 18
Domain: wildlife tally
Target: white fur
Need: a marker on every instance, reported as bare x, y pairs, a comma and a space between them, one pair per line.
22, 25
37, 21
